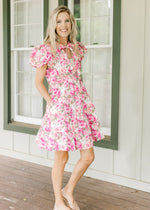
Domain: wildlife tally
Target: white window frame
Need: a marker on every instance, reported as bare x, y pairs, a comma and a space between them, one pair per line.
16, 117
107, 131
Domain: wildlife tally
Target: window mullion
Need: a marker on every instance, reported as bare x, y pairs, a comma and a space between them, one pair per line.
111, 21
15, 86
44, 27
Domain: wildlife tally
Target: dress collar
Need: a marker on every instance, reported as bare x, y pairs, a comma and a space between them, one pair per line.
69, 45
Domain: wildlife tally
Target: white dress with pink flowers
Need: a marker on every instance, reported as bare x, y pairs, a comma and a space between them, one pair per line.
70, 121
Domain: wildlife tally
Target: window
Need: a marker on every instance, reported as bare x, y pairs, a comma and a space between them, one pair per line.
24, 25
26, 32
99, 29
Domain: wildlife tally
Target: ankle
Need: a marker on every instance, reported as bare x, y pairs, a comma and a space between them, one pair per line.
59, 200
67, 190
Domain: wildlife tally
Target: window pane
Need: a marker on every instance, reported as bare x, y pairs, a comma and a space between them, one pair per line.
88, 82
100, 30
26, 32
20, 13
87, 62
23, 61
34, 35
84, 30
23, 82
24, 105
34, 11
36, 106
101, 7
94, 20
77, 8
85, 7
102, 62
97, 77
20, 36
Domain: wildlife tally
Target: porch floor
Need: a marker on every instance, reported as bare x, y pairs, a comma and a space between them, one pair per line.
28, 186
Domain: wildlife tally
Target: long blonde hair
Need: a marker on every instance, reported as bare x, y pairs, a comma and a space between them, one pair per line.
51, 35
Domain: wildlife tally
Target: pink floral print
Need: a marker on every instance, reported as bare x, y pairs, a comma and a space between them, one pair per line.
70, 121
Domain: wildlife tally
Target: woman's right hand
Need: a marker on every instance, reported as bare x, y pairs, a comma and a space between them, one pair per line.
49, 102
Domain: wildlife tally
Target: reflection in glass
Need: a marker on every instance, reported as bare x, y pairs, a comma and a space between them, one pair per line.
36, 106
34, 9
20, 13
23, 82
20, 36
100, 30
34, 35
24, 105
100, 8
102, 62
23, 61
83, 28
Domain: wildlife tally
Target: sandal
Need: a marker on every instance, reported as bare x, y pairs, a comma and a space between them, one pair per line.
69, 204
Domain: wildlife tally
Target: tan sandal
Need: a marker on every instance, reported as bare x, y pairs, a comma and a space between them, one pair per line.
56, 208
69, 204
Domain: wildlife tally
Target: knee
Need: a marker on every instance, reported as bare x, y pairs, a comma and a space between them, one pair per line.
88, 159
61, 157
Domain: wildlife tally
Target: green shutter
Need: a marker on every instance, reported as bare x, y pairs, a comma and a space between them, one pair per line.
63, 2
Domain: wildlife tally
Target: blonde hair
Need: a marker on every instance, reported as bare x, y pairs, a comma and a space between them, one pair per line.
51, 35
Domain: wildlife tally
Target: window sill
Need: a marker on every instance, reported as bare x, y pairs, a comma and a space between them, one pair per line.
22, 127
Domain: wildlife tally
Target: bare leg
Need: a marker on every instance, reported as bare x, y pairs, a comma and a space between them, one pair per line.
87, 157
61, 158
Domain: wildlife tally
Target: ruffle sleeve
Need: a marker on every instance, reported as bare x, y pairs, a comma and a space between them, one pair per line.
82, 50
40, 56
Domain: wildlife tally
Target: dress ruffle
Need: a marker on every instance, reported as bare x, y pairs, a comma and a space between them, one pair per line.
82, 50
40, 56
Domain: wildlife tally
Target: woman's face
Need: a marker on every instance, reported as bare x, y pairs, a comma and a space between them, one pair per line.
63, 25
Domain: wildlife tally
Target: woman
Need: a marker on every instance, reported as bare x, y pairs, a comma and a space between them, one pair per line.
70, 122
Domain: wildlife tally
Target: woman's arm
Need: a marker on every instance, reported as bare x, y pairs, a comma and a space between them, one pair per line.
40, 74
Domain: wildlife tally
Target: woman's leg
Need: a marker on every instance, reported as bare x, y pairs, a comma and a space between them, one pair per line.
86, 158
61, 158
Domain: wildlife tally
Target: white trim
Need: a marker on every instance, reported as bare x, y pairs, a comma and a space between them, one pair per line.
111, 23
29, 120
17, 2
98, 46
26, 94
26, 24
106, 131
12, 23
71, 5
42, 20
98, 16
15, 85
88, 46
22, 49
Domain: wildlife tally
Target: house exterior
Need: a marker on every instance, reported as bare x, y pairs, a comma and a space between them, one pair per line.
117, 64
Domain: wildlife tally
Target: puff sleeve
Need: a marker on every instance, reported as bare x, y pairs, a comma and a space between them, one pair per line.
40, 56
82, 50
